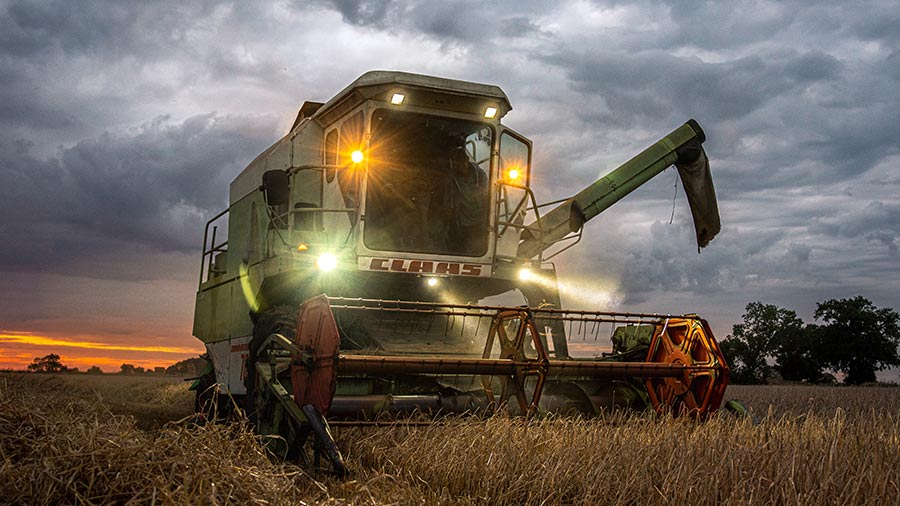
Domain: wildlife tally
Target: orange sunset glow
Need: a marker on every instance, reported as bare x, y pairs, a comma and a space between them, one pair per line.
18, 349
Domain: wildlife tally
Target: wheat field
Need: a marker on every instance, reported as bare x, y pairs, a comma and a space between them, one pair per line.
77, 439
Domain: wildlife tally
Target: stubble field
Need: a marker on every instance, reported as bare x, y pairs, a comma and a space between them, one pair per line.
77, 439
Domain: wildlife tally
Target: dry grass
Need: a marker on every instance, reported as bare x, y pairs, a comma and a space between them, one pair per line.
61, 448
65, 442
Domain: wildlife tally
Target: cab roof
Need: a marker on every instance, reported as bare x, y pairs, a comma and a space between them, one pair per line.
375, 83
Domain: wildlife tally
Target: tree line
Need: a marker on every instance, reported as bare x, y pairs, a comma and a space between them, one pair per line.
850, 336
52, 363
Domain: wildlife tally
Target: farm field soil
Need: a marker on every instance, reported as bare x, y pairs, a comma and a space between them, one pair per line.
79, 439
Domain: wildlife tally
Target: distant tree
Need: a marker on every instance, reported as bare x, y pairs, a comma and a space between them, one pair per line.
94, 369
127, 369
797, 356
189, 367
857, 338
47, 363
757, 341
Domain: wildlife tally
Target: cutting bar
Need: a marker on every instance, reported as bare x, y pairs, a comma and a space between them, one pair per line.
373, 364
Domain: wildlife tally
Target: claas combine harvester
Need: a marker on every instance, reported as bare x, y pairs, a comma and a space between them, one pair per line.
361, 247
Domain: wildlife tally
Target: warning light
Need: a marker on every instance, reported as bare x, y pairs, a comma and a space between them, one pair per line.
397, 98
490, 112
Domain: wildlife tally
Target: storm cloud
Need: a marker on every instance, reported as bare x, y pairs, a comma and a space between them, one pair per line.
151, 187
121, 126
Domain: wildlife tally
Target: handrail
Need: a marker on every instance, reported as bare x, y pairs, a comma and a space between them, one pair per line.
529, 195
214, 248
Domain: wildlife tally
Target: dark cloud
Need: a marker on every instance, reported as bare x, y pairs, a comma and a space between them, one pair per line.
892, 65
799, 101
100, 27
657, 85
721, 26
813, 66
152, 187
877, 222
364, 12
877, 22
448, 21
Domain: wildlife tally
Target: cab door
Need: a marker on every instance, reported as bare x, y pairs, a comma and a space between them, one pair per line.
514, 199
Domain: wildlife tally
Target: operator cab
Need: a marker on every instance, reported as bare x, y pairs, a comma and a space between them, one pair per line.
428, 184
422, 166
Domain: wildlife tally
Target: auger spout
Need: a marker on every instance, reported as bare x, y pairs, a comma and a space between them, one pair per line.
682, 148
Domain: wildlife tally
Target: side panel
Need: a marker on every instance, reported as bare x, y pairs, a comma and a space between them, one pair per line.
280, 157
306, 185
212, 313
230, 359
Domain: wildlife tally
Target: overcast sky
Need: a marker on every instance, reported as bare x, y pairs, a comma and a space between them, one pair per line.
122, 124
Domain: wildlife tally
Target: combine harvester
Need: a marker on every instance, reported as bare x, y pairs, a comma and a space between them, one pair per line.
360, 245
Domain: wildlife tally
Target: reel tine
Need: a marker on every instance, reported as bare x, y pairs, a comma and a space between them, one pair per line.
447, 324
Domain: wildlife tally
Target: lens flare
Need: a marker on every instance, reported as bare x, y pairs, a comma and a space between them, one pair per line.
526, 274
326, 262
356, 156
250, 286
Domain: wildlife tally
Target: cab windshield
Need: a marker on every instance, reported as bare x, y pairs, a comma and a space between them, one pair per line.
428, 186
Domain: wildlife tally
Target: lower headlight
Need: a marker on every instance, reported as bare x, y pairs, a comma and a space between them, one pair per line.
326, 262
526, 274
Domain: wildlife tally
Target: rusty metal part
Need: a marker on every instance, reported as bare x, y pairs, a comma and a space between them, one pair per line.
387, 365
512, 330
699, 390
313, 375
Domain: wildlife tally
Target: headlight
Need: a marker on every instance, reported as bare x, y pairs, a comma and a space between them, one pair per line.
326, 262
526, 274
